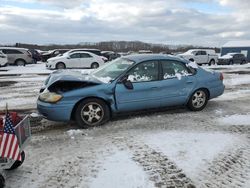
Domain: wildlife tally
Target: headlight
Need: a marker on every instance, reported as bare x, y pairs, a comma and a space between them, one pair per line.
50, 97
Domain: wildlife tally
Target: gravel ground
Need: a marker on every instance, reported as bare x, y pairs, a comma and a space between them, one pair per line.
167, 148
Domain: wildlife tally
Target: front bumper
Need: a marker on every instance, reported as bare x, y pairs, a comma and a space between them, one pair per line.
223, 62
56, 111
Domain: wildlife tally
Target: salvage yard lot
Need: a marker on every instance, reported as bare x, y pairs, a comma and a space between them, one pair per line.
168, 148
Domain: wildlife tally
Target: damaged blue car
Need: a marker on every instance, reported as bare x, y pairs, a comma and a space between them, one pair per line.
130, 83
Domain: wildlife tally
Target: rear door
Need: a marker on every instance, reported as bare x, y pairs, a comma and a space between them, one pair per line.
86, 60
146, 91
177, 84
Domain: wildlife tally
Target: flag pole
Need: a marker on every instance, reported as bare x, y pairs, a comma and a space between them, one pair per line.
6, 108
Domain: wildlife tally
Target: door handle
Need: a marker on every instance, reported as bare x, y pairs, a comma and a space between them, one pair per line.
154, 87
189, 82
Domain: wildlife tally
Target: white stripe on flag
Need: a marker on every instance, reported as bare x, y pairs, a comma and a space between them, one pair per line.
16, 154
2, 144
8, 145
13, 147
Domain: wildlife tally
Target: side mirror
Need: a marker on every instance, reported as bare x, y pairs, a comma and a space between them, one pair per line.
127, 83
68, 57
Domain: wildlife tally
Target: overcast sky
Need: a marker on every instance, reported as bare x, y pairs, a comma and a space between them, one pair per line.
197, 22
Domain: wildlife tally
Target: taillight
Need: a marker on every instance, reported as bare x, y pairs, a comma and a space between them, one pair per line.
221, 77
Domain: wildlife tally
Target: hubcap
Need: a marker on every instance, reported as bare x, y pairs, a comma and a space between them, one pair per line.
92, 113
95, 66
199, 99
60, 66
20, 63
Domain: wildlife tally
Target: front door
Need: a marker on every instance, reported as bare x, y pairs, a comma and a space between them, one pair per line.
74, 60
145, 93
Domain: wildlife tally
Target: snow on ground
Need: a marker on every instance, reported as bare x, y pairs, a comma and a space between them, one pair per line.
28, 69
237, 79
236, 119
189, 150
233, 95
120, 171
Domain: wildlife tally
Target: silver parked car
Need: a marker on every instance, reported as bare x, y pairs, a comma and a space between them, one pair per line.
17, 56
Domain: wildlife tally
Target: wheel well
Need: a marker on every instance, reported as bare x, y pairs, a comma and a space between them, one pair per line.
75, 106
20, 60
212, 60
207, 91
191, 59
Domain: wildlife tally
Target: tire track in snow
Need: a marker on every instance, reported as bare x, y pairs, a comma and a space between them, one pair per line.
162, 171
231, 169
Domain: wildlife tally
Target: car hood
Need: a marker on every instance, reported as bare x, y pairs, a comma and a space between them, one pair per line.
64, 78
56, 58
225, 57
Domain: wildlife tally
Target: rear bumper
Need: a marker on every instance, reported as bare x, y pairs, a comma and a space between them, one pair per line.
55, 112
217, 91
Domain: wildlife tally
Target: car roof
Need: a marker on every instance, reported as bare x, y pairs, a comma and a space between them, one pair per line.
147, 57
13, 48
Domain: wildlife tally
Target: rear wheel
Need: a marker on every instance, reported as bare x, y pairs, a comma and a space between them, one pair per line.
60, 66
20, 62
212, 62
92, 112
94, 65
198, 100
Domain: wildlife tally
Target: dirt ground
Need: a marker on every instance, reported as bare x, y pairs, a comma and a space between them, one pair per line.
166, 148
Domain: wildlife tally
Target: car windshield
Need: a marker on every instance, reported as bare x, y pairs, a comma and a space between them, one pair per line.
112, 70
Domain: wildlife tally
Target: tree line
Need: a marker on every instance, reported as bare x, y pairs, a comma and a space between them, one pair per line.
116, 46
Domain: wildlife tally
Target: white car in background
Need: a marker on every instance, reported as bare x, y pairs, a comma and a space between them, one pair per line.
201, 56
79, 59
3, 59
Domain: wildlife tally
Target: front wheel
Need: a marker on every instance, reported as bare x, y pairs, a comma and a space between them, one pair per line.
91, 113
198, 100
60, 66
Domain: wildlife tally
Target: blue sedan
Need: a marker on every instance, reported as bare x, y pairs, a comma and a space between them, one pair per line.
127, 84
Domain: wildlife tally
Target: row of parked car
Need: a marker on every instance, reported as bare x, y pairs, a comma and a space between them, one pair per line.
93, 58
208, 56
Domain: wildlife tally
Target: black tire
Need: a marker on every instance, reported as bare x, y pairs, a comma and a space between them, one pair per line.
198, 100
212, 62
92, 112
192, 60
243, 62
60, 65
2, 181
18, 163
20, 62
94, 65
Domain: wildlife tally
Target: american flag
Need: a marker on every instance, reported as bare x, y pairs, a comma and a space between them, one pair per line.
9, 147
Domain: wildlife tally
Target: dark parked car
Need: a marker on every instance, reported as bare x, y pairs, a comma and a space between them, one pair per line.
53, 53
232, 58
135, 82
35, 55
110, 55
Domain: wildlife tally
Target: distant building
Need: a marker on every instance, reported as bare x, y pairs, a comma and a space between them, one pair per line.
237, 46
